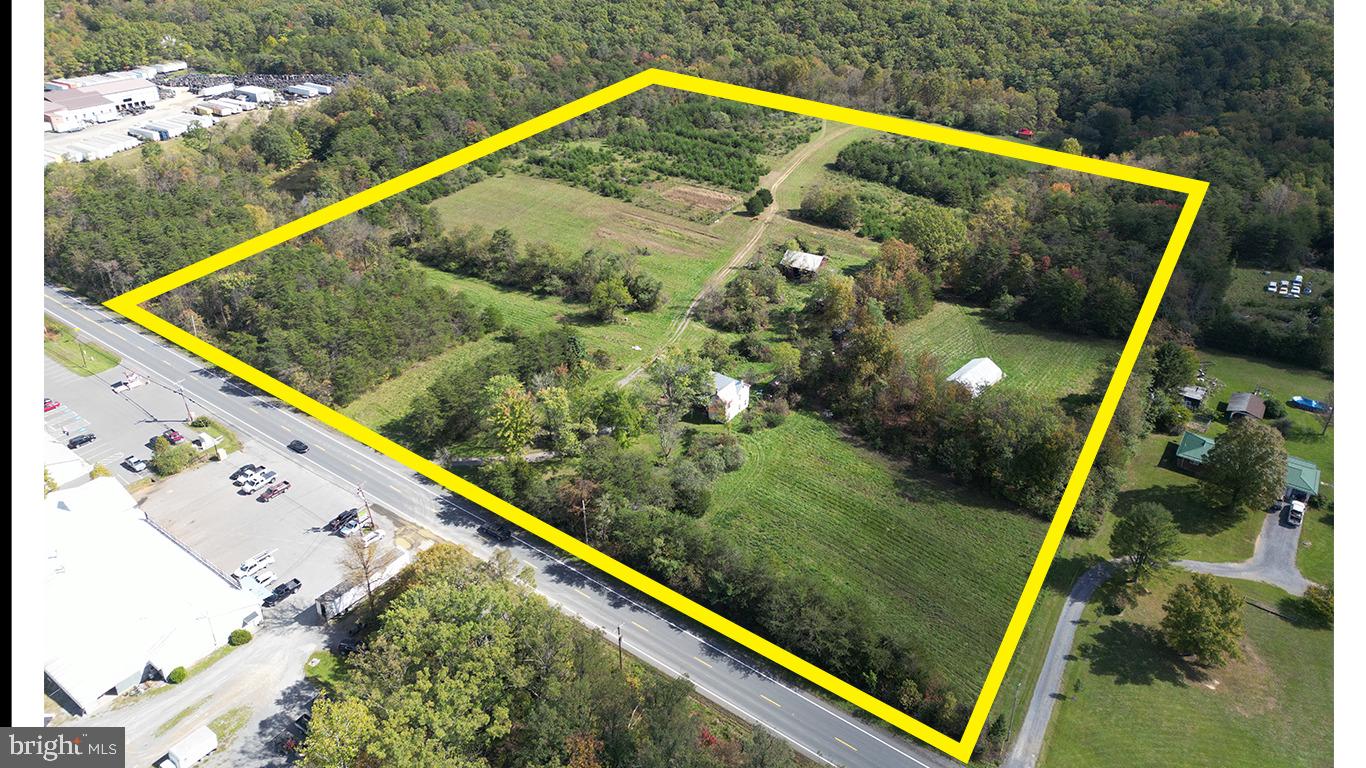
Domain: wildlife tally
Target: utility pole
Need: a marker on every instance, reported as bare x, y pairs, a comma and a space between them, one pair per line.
180, 390
76, 335
369, 520
621, 658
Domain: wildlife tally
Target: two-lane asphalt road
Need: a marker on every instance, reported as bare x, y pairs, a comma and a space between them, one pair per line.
722, 672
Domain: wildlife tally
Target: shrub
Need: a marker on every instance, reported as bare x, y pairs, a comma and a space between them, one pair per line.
201, 422
99, 470
177, 676
1283, 425
775, 413
239, 637
1275, 409
1317, 605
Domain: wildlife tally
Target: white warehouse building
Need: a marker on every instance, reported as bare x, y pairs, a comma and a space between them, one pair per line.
125, 601
254, 93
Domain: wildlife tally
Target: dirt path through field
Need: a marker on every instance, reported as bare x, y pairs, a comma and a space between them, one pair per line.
772, 182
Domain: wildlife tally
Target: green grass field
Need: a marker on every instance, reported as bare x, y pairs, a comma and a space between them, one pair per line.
814, 170
1034, 361
939, 565
1249, 289
1130, 701
83, 358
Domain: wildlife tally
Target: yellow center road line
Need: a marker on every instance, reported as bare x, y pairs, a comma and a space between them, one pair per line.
700, 661
581, 592
638, 626
771, 701
847, 744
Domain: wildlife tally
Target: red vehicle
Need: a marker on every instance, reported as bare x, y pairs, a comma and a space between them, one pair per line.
173, 437
50, 405
277, 489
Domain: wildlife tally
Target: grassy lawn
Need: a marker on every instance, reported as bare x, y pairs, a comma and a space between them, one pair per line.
1205, 535
814, 170
1316, 546
389, 402
83, 359
325, 669
226, 725
815, 504
1248, 289
1128, 700
1034, 360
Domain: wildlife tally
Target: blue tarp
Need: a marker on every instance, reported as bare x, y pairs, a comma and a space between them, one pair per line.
1308, 405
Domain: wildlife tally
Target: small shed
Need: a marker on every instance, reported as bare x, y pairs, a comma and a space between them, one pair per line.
731, 396
1194, 397
1245, 405
977, 374
800, 264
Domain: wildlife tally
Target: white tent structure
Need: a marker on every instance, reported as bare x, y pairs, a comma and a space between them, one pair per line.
978, 374
124, 600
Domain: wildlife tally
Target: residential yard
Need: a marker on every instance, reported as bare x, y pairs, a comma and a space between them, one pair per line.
83, 358
1034, 360
939, 565
1128, 700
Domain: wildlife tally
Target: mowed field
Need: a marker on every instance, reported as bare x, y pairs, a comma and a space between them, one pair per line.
1130, 701
1036, 361
939, 565
682, 254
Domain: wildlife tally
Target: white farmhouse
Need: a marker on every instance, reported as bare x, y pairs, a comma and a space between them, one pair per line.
731, 397
978, 374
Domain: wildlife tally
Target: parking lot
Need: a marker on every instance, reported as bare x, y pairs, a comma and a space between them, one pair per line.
207, 512
124, 423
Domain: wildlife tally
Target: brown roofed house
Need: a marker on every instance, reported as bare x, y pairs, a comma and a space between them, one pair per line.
1245, 404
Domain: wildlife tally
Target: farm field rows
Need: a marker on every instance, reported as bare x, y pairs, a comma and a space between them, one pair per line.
938, 564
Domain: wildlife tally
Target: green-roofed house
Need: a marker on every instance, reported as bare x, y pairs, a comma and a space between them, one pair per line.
1301, 475
1190, 452
1301, 479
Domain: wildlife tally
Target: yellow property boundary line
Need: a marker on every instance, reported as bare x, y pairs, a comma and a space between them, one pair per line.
128, 305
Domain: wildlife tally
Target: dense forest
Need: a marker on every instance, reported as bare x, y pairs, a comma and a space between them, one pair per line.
1240, 96
520, 684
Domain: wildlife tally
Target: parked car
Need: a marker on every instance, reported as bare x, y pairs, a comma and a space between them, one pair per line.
344, 648
350, 527
243, 472
298, 446
134, 464
281, 592
278, 489
264, 577
173, 437
304, 721
79, 440
337, 522
499, 533
50, 405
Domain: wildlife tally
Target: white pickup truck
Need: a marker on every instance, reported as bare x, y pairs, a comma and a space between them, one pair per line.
254, 564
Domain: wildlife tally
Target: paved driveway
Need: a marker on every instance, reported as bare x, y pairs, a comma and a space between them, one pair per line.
1272, 562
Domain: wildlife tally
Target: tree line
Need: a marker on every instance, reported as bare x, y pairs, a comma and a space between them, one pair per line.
608, 281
